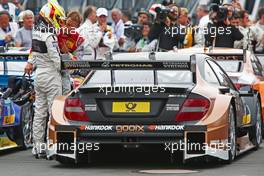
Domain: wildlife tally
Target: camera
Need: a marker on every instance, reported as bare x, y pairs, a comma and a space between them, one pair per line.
219, 13
133, 31
162, 14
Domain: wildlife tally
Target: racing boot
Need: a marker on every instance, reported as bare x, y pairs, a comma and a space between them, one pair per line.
39, 151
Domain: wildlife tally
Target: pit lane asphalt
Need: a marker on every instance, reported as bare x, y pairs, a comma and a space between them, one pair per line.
119, 162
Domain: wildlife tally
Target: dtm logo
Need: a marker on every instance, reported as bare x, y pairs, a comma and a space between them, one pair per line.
131, 107
166, 127
129, 129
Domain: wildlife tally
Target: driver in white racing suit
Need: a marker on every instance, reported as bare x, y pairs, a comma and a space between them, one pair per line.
48, 80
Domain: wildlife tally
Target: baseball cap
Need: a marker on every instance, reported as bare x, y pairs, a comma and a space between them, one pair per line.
101, 11
143, 12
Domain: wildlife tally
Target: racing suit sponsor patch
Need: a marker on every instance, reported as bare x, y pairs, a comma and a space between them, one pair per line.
39, 46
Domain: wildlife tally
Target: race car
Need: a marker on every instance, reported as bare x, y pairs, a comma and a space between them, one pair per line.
12, 63
243, 67
16, 100
132, 99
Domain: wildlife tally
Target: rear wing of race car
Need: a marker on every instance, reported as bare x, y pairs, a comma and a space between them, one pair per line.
151, 64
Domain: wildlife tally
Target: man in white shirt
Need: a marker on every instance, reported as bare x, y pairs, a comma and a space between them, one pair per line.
91, 33
108, 41
118, 26
12, 8
8, 29
202, 15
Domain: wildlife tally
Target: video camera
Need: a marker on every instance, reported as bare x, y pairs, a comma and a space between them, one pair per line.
162, 14
219, 12
133, 31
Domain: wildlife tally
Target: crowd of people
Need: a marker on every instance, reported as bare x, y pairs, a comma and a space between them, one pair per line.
148, 32
53, 35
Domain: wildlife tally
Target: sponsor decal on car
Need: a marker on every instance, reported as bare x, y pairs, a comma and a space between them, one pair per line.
75, 65
176, 65
228, 57
132, 128
166, 127
14, 58
96, 128
90, 107
163, 65
172, 107
121, 65
178, 96
129, 129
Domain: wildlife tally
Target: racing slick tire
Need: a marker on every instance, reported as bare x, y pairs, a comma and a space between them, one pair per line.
26, 129
256, 130
22, 134
232, 136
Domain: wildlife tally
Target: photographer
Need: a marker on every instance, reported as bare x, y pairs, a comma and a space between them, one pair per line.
144, 45
143, 17
166, 29
126, 17
220, 33
230, 10
132, 34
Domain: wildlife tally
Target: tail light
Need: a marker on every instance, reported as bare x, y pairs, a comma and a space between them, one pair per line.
74, 110
193, 109
239, 85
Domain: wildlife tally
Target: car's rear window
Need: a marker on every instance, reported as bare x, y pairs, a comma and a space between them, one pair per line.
138, 77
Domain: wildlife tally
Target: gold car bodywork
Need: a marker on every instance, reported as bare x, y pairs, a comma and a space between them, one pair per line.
257, 84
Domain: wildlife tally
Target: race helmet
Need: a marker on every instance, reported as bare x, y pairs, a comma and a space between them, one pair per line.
53, 13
